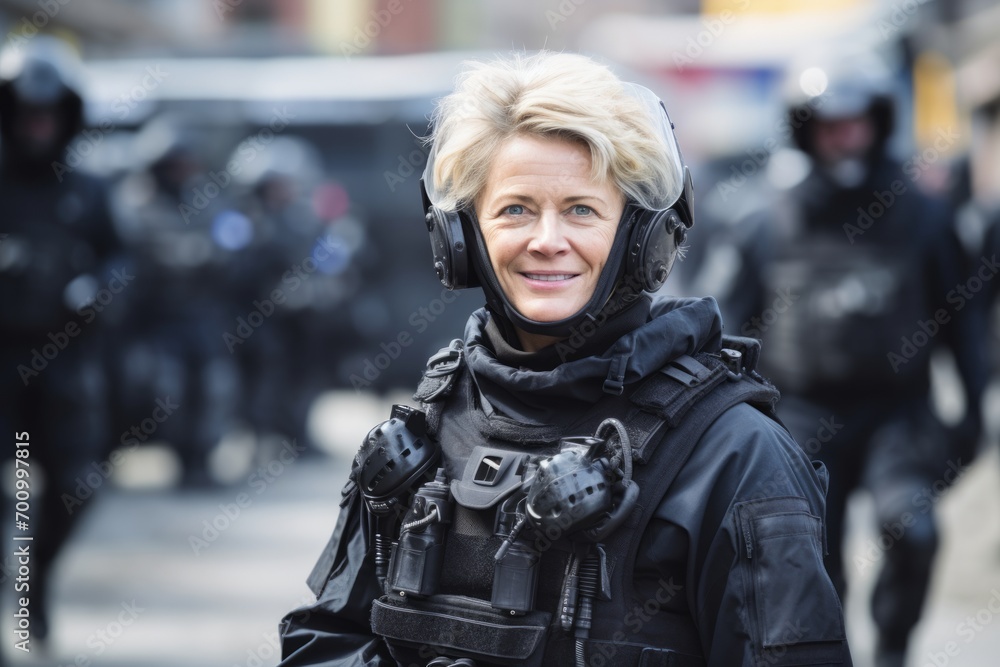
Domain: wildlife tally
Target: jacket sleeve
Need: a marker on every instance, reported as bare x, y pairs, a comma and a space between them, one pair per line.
751, 507
335, 631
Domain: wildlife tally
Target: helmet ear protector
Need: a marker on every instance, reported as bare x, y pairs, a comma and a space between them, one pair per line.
653, 242
451, 253
656, 238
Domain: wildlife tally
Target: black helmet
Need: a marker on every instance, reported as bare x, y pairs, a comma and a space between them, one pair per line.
45, 72
171, 147
835, 86
286, 158
642, 254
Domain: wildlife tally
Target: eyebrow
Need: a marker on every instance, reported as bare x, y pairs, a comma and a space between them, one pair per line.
568, 200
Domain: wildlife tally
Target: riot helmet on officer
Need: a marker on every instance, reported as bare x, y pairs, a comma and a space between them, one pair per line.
842, 113
41, 109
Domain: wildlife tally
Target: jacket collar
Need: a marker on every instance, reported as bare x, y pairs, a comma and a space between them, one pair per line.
561, 381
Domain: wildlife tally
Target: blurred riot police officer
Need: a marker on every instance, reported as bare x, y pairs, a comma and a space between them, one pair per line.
851, 278
183, 235
56, 278
292, 209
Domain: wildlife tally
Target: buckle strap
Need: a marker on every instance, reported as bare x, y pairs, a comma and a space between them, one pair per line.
439, 376
690, 380
749, 349
446, 360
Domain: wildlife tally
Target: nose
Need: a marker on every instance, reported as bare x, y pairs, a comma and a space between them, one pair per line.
548, 234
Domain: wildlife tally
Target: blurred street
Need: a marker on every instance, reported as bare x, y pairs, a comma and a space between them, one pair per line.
144, 582
131, 590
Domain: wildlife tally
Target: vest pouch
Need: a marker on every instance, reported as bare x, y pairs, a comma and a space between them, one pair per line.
456, 626
416, 560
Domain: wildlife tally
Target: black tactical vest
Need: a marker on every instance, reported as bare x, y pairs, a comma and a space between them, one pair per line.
839, 298
664, 416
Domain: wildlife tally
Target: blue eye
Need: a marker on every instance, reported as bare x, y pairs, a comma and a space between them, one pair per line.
580, 209
514, 209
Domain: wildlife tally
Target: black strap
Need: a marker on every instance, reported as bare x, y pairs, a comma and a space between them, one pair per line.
440, 373
469, 628
711, 384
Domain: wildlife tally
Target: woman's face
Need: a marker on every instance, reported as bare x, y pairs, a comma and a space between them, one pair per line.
547, 224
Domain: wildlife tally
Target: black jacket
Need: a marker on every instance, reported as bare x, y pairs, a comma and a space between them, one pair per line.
862, 278
746, 483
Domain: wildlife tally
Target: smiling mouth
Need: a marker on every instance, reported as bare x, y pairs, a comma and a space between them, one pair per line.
549, 277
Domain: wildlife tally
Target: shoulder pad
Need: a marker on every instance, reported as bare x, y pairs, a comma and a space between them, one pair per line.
441, 372
716, 381
672, 391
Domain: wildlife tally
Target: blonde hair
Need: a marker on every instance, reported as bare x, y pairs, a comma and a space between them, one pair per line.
546, 94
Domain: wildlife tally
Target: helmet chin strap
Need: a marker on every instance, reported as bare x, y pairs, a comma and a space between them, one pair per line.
611, 294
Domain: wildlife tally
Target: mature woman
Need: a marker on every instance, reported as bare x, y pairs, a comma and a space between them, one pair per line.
593, 477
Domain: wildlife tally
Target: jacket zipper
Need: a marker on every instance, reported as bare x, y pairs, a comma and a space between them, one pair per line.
747, 538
